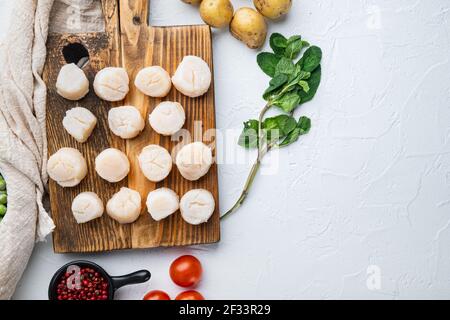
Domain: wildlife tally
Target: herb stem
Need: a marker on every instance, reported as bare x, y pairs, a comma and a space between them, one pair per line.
262, 150
245, 191
262, 146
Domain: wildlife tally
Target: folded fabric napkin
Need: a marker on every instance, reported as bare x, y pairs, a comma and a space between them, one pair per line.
23, 144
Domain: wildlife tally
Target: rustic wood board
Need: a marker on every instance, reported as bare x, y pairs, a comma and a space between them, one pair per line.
130, 43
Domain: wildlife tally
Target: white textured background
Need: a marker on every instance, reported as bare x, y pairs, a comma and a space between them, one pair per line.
369, 186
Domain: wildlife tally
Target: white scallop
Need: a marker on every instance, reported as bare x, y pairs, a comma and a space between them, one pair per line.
67, 167
197, 206
111, 84
124, 206
125, 122
167, 118
162, 202
192, 77
194, 160
87, 206
72, 83
112, 165
153, 81
155, 162
79, 123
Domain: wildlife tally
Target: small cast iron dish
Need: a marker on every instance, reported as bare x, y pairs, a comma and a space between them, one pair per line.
114, 282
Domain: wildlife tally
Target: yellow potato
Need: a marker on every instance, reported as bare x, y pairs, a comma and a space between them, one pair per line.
193, 2
249, 26
273, 9
216, 13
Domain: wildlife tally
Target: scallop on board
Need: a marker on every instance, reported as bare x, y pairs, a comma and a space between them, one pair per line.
132, 45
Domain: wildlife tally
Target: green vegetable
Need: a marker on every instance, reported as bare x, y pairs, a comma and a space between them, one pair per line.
292, 84
311, 59
313, 83
288, 102
304, 85
278, 43
274, 129
249, 136
294, 46
268, 62
283, 129
276, 83
3, 198
285, 66
302, 127
2, 210
2, 184
301, 85
284, 123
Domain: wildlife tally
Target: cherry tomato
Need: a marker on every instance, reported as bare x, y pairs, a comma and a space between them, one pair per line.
186, 271
190, 295
156, 295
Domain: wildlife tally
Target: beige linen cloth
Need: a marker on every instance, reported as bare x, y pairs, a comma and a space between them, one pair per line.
23, 144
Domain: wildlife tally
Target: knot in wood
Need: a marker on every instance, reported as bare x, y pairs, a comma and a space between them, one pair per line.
137, 20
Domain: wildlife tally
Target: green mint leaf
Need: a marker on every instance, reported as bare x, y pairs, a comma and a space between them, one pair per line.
304, 75
295, 45
272, 136
303, 126
294, 39
275, 128
298, 75
278, 43
294, 76
291, 138
304, 85
269, 95
278, 127
284, 123
249, 136
277, 82
311, 59
313, 82
285, 66
288, 101
268, 62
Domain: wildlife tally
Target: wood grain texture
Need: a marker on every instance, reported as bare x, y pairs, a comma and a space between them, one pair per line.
139, 46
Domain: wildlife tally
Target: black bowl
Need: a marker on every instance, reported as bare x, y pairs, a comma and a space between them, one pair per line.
114, 282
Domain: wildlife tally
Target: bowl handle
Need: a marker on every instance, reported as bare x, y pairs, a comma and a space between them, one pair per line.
132, 278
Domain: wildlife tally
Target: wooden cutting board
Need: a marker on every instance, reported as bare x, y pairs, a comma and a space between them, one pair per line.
129, 42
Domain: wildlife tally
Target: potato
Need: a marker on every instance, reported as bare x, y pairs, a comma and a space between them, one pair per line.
273, 9
249, 26
193, 2
217, 13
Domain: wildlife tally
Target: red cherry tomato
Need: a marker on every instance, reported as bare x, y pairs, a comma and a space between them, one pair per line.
186, 271
156, 295
190, 295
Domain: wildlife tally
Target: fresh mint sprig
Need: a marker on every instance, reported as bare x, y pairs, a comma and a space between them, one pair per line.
294, 81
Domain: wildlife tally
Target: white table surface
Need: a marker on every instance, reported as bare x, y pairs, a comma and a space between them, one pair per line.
365, 194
